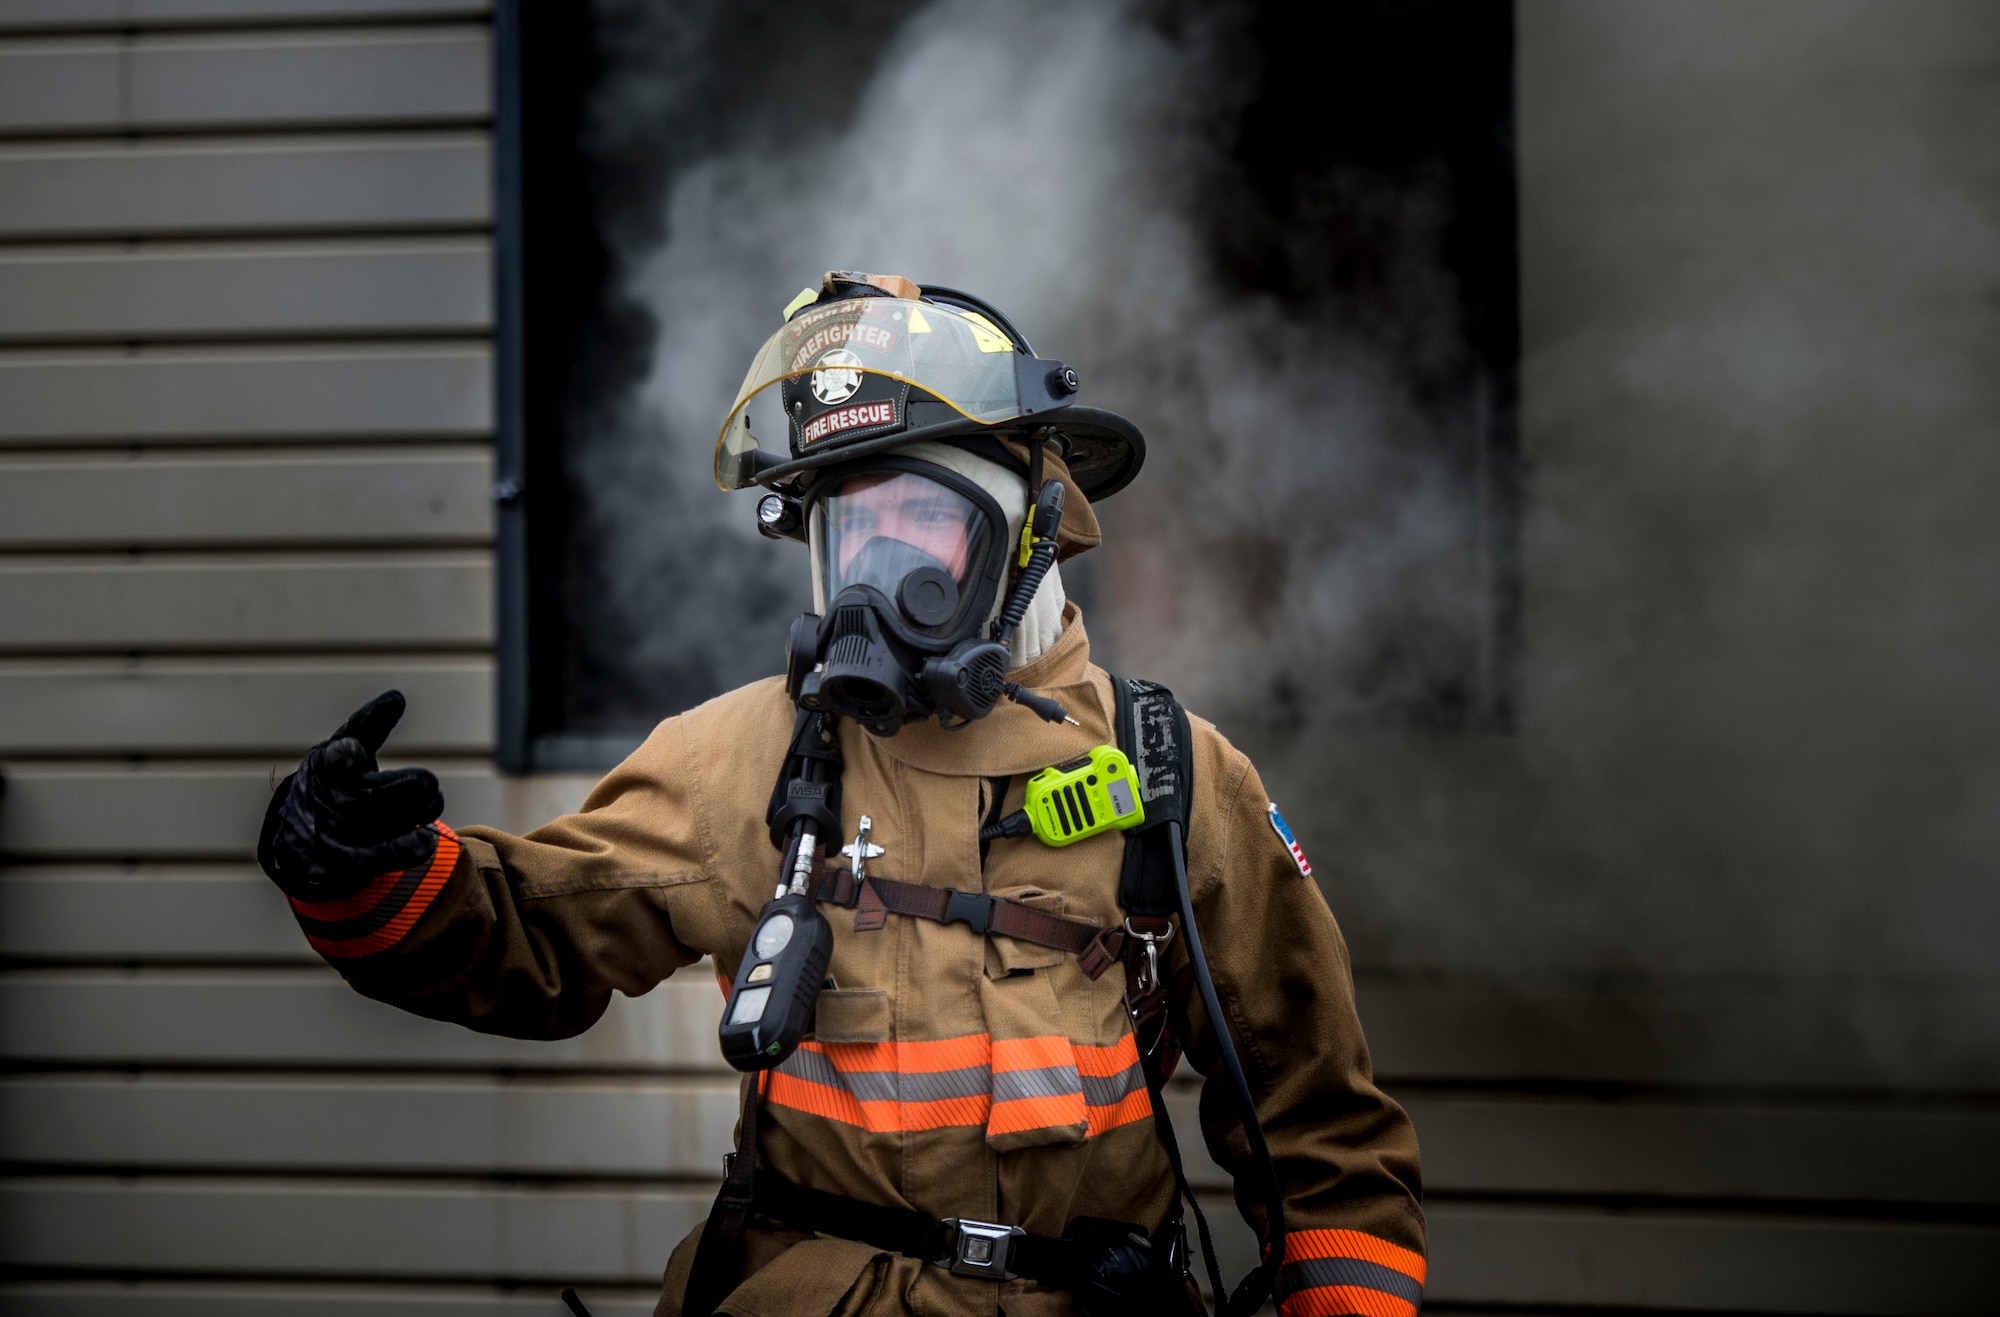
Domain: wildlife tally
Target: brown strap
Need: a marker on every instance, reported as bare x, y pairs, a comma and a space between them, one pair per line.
1096, 949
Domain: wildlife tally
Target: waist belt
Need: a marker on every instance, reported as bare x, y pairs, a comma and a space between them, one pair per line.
1096, 949
963, 1246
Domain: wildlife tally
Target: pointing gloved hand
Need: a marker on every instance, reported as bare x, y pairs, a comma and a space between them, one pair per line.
340, 821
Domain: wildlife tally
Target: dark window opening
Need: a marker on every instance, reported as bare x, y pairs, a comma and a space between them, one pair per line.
1280, 238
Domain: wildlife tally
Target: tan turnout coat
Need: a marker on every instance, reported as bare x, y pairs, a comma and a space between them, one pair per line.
963, 1075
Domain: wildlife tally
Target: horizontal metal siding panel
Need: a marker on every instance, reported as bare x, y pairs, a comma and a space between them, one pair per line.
381, 1229
163, 811
181, 394
33, 15
107, 914
47, 85
347, 602
322, 499
157, 190
1696, 1032
681, 1127
205, 811
181, 706
285, 1017
163, 1298
1480, 1254
1726, 1147
349, 76
1737, 1263
640, 1128
377, 287
152, 83
56, 809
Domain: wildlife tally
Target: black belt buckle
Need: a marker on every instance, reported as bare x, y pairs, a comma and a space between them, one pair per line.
982, 1248
974, 908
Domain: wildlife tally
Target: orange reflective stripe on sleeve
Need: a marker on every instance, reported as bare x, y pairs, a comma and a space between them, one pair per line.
382, 913
1346, 1273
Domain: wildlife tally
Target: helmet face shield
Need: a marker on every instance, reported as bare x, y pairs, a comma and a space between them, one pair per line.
846, 371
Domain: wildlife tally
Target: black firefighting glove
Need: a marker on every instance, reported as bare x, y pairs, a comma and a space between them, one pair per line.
340, 821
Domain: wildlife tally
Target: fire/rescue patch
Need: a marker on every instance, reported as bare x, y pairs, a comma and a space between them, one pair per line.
869, 414
1284, 831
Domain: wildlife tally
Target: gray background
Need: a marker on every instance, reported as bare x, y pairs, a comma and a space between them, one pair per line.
1689, 984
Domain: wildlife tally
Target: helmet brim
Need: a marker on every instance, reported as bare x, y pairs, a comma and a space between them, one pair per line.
1104, 450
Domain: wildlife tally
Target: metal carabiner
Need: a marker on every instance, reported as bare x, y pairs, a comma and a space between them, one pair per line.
1149, 977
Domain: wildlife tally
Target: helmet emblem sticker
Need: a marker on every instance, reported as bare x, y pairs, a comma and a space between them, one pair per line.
837, 376
1284, 831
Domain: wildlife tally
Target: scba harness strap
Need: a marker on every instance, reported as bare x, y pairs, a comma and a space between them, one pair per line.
1154, 733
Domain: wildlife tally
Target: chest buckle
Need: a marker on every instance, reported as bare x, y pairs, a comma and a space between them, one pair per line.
981, 1248
974, 909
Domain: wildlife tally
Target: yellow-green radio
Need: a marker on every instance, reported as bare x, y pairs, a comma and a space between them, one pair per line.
1084, 797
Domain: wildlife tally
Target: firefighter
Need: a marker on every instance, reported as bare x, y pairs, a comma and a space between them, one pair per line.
969, 1124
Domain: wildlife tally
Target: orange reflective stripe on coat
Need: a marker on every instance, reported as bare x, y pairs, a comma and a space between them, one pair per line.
379, 915
1344, 1273
1007, 1085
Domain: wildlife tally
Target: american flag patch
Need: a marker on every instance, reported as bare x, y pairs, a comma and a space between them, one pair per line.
1284, 831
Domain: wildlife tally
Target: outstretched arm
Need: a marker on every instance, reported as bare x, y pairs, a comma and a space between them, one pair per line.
525, 936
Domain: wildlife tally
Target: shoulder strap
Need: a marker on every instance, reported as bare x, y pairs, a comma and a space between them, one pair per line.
1153, 732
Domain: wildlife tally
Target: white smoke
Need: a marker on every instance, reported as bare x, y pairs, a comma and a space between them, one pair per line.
1056, 158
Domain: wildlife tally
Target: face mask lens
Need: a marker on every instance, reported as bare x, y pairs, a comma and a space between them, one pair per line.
914, 539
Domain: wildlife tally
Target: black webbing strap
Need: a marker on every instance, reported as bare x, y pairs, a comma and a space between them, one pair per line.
1060, 1261
808, 784
1153, 732
718, 1259
1164, 1125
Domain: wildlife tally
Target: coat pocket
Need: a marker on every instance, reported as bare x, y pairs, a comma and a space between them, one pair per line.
1037, 1093
851, 1015
817, 1278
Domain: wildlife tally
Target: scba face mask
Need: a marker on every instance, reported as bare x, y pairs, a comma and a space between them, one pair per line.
910, 558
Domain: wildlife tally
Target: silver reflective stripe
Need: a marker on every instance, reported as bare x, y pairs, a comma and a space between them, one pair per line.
886, 1085
1050, 1081
1109, 1091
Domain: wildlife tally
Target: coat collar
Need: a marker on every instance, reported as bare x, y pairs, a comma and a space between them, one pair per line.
1011, 740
